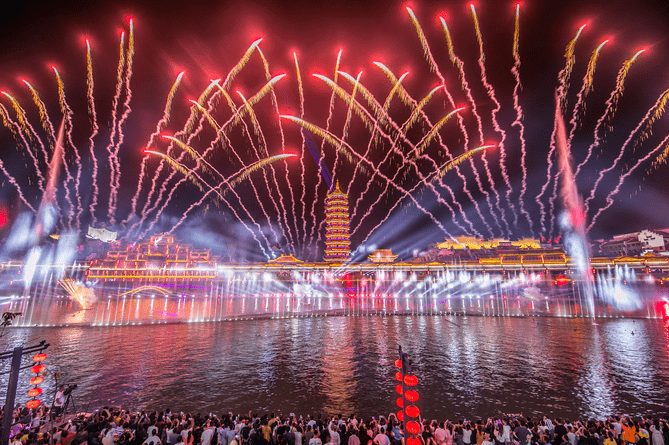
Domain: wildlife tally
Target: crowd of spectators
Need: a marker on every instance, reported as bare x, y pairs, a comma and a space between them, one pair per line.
110, 426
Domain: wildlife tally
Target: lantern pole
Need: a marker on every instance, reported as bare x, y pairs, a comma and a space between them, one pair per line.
12, 384
8, 413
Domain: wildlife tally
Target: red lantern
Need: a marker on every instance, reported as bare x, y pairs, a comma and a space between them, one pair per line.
400, 402
398, 376
34, 392
411, 395
413, 427
39, 357
412, 411
38, 369
36, 380
32, 404
398, 363
413, 441
411, 380
399, 389
400, 416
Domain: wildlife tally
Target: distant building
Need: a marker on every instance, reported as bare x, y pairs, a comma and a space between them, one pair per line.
473, 243
382, 256
337, 238
633, 243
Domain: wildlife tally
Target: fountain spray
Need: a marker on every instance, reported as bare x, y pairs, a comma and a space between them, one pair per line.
572, 219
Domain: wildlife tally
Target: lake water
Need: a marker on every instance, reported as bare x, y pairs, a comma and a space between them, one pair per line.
467, 366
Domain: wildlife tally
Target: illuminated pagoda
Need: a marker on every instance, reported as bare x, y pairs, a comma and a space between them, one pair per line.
337, 242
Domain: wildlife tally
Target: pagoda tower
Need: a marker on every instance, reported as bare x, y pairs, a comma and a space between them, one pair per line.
337, 238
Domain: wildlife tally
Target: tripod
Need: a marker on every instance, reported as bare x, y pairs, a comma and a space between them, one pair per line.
68, 401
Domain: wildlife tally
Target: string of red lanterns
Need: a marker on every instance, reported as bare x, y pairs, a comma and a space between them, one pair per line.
37, 380
408, 409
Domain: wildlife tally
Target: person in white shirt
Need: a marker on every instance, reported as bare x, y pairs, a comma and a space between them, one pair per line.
59, 401
316, 440
334, 436
152, 440
207, 434
487, 440
381, 439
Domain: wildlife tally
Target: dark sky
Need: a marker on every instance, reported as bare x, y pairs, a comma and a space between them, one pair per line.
206, 39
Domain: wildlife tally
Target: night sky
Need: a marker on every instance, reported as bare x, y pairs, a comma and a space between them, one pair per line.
207, 39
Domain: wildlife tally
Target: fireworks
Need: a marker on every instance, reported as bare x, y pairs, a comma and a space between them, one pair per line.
392, 148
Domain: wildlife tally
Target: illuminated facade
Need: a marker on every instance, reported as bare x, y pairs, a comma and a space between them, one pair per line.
159, 259
337, 242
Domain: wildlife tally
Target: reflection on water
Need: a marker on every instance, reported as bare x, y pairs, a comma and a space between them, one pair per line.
466, 365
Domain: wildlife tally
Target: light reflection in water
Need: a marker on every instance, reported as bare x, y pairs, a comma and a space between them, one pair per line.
466, 365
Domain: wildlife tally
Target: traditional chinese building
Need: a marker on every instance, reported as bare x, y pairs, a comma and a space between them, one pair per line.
337, 238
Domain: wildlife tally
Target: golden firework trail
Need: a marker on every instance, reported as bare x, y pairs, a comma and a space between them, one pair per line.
231, 183
188, 173
565, 74
94, 123
450, 165
321, 159
611, 106
114, 124
326, 135
43, 115
20, 115
609, 197
433, 132
590, 73
350, 153
241, 64
350, 101
300, 90
113, 195
518, 122
412, 104
16, 131
653, 114
192, 153
6, 121
254, 119
200, 101
498, 129
394, 91
620, 84
378, 111
397, 84
347, 122
160, 126
67, 113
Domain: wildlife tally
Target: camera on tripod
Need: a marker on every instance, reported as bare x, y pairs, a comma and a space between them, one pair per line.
68, 390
